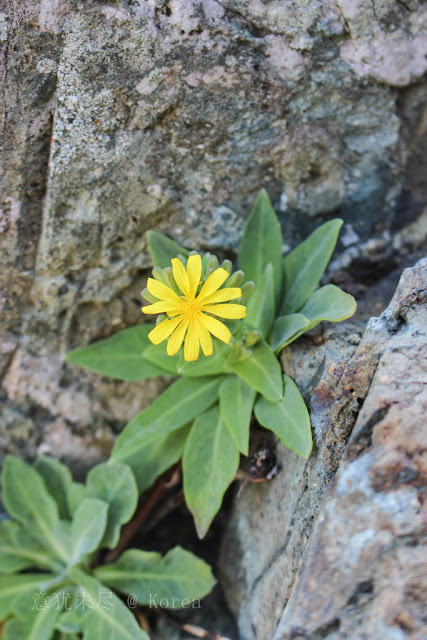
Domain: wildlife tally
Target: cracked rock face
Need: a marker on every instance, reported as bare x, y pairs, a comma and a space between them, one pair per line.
123, 116
360, 573
118, 117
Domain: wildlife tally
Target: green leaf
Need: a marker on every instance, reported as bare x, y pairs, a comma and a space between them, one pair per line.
178, 578
163, 249
174, 408
213, 365
28, 501
262, 372
157, 355
150, 461
87, 528
305, 265
287, 329
115, 484
236, 400
262, 243
210, 463
18, 550
32, 623
119, 356
72, 620
329, 303
58, 480
261, 305
12, 586
288, 419
76, 493
111, 619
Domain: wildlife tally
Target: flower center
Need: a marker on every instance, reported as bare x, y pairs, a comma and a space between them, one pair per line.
192, 310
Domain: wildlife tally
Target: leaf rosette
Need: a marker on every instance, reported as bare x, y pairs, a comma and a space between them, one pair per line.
204, 417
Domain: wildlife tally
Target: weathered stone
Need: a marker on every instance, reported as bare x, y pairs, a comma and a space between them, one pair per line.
271, 522
123, 116
355, 582
385, 44
364, 576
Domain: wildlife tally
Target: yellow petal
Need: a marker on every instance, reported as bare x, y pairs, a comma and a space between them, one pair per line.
163, 330
194, 272
205, 338
192, 344
180, 307
180, 275
216, 328
161, 307
232, 311
161, 291
215, 280
175, 341
223, 295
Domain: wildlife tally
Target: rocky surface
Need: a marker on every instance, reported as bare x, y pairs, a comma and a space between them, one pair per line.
122, 116
363, 573
271, 522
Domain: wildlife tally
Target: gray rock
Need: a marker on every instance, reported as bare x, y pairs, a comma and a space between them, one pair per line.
119, 117
358, 574
271, 522
124, 116
364, 575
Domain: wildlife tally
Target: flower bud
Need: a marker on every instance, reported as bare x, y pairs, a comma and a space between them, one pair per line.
213, 262
247, 290
169, 280
252, 337
205, 260
146, 295
211, 266
235, 280
238, 353
227, 266
158, 275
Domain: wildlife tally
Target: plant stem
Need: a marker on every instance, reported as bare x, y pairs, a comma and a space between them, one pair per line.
170, 505
142, 621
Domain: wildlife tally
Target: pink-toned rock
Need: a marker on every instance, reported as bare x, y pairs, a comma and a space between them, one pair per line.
365, 571
396, 56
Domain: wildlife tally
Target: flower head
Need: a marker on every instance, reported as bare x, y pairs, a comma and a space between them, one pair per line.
191, 315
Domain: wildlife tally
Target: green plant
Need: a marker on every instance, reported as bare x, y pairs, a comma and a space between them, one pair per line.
204, 417
52, 581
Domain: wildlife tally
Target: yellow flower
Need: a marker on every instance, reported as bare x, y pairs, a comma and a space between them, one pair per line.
190, 317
